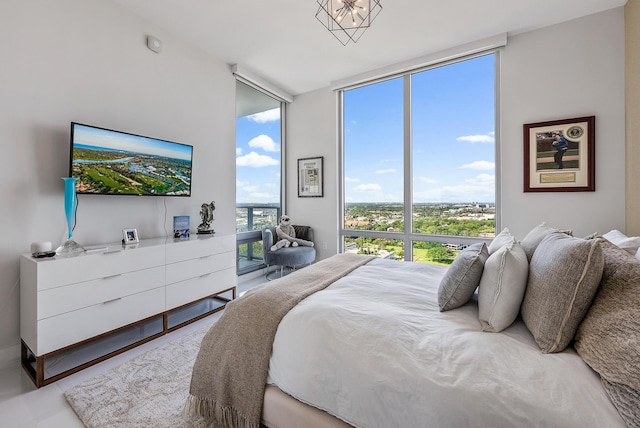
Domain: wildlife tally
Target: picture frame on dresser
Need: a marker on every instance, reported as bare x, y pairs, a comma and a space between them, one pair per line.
130, 236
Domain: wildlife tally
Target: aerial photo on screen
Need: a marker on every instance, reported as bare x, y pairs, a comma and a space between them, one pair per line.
110, 162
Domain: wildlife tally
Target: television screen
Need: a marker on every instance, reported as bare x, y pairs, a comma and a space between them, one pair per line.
107, 162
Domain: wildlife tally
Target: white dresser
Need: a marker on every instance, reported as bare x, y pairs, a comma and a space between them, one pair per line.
77, 311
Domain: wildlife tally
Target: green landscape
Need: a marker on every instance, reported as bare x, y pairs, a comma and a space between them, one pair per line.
445, 219
117, 172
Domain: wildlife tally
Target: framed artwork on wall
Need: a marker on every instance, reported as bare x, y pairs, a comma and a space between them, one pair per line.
559, 155
310, 178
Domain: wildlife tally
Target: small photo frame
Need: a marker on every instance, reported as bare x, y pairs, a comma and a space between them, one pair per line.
560, 155
310, 178
130, 236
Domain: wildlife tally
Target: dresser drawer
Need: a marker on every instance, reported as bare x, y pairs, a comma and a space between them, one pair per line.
73, 327
59, 300
55, 272
178, 251
183, 292
200, 266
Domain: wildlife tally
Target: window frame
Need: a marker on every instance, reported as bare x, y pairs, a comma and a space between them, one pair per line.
251, 236
408, 236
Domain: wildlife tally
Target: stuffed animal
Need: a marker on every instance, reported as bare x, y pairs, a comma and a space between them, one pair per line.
287, 235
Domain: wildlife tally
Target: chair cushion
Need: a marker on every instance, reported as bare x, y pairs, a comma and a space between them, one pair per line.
292, 256
302, 232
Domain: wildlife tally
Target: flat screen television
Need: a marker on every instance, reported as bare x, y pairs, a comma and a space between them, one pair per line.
108, 162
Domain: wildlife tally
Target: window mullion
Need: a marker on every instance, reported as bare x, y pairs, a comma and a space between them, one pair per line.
408, 171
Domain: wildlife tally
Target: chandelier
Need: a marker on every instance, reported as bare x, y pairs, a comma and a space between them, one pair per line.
347, 19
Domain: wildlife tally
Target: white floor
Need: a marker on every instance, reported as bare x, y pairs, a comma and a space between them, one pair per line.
22, 405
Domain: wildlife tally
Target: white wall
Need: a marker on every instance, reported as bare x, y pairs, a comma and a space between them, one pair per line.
568, 70
563, 71
87, 61
312, 132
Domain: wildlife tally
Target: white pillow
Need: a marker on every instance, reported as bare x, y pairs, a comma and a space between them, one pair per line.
628, 243
502, 287
503, 238
638, 254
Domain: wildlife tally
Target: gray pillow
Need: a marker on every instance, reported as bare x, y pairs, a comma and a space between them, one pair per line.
462, 278
564, 275
502, 287
503, 238
608, 339
536, 235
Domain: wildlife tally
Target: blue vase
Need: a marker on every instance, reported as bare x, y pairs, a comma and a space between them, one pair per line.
70, 247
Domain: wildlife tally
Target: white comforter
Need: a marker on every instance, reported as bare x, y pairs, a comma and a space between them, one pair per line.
374, 350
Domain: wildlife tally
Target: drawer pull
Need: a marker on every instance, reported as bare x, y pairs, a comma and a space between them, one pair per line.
205, 274
112, 276
112, 252
112, 300
206, 257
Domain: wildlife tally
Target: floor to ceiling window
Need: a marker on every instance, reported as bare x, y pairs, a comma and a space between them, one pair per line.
258, 171
419, 162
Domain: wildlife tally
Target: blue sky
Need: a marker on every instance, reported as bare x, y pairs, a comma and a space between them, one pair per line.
453, 140
258, 158
104, 138
453, 136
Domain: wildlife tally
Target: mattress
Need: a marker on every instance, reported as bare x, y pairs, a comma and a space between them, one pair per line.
374, 350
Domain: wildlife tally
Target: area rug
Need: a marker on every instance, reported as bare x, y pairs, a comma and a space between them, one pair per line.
149, 390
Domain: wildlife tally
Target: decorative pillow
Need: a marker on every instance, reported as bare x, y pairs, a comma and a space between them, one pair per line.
503, 238
302, 232
564, 275
502, 287
609, 337
536, 235
462, 277
629, 244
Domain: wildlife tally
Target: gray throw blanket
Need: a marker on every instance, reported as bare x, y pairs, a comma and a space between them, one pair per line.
231, 369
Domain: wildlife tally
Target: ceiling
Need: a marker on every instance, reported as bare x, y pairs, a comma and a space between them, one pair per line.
284, 43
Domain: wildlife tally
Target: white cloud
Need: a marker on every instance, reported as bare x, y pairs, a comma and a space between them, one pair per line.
372, 187
265, 143
255, 160
238, 151
480, 165
478, 189
351, 180
483, 179
250, 188
480, 138
262, 196
266, 116
385, 171
428, 180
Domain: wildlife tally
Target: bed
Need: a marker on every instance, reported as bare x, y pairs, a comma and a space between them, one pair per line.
373, 349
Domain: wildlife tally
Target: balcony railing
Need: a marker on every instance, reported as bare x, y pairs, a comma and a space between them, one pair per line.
250, 220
